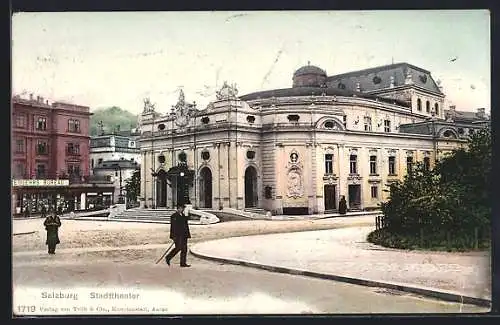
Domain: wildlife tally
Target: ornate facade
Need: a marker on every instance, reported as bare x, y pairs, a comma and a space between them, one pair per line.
298, 150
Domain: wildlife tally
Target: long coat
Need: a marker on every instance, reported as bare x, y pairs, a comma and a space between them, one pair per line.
179, 227
52, 225
342, 206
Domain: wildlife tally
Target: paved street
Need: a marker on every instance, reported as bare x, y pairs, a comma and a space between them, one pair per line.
345, 252
209, 287
206, 287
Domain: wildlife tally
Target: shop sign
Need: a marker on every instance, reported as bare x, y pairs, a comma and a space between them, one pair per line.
40, 182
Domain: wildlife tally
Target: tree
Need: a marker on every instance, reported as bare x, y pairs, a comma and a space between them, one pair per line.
133, 186
449, 203
113, 119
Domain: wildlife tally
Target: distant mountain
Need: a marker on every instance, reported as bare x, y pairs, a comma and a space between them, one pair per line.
112, 118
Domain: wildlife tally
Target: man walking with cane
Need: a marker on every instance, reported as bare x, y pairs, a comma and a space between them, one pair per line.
179, 233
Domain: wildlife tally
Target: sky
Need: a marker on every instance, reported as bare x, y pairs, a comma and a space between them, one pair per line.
103, 59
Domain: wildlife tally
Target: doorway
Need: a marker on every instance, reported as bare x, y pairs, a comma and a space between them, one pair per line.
251, 196
330, 197
354, 196
161, 189
206, 188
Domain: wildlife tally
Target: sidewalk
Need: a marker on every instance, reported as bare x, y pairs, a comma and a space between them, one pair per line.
344, 255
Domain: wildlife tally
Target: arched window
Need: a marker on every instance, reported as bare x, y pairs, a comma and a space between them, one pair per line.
428, 106
419, 104
448, 134
436, 109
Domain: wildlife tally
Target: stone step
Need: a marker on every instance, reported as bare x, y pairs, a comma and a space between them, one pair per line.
255, 210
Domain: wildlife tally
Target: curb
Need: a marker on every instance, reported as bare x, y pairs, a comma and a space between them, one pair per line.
446, 296
24, 233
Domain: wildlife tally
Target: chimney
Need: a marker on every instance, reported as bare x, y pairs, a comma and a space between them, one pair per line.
31, 96
480, 112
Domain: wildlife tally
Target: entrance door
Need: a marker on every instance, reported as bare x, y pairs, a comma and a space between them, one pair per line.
182, 190
251, 197
161, 189
330, 197
354, 196
206, 188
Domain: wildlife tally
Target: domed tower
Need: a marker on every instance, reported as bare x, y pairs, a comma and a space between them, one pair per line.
309, 76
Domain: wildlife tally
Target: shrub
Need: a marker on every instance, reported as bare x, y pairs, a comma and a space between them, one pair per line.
453, 198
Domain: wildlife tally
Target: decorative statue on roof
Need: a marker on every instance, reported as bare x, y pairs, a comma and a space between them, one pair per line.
227, 92
148, 106
100, 127
182, 110
409, 78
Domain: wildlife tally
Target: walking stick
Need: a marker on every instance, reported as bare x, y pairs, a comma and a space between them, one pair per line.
165, 253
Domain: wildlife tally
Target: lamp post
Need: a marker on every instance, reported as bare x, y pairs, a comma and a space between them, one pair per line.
182, 187
120, 196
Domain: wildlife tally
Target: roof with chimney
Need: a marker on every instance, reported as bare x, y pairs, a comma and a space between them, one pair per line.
115, 164
466, 116
378, 78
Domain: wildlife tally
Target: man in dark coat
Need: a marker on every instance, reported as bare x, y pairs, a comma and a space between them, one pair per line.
343, 205
52, 224
179, 232
44, 211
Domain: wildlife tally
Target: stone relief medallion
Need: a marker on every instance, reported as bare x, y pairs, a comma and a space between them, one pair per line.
295, 186
295, 183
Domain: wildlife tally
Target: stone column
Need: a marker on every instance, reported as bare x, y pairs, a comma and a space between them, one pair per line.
343, 172
83, 201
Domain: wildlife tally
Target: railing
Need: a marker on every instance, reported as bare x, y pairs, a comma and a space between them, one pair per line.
380, 222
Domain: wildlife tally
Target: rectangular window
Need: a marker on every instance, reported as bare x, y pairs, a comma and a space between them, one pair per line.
353, 159
20, 145
392, 165
373, 165
427, 163
73, 169
368, 123
74, 126
73, 149
19, 170
387, 126
374, 191
409, 164
42, 148
328, 164
41, 124
21, 121
40, 171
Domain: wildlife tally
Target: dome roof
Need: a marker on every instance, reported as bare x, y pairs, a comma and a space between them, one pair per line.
309, 69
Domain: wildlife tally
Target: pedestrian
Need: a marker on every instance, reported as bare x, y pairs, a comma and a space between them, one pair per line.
179, 233
44, 211
52, 224
342, 205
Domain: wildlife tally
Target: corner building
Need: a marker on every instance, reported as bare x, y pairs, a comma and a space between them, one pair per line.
298, 150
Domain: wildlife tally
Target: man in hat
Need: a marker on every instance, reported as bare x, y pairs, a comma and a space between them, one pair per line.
179, 233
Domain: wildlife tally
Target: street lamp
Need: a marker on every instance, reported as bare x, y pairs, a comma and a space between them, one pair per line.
120, 197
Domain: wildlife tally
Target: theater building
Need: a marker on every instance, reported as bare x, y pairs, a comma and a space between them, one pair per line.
297, 150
